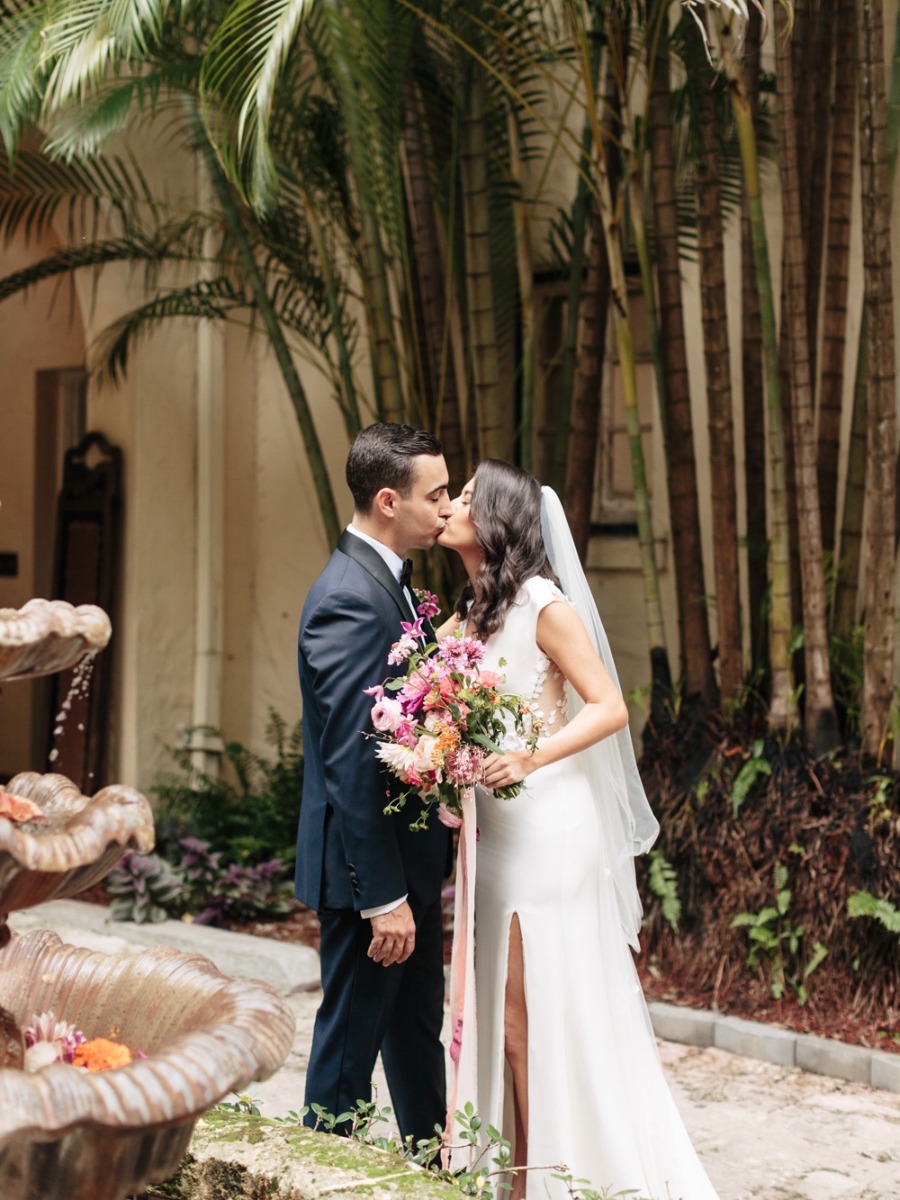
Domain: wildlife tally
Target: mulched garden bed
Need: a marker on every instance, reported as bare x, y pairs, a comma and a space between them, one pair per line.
831, 823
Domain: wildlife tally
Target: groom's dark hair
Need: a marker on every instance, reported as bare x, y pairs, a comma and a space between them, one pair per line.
382, 456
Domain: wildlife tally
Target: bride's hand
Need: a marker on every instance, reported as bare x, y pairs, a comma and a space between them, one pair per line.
502, 770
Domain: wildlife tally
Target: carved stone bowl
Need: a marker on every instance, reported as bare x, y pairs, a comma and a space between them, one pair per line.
69, 1134
46, 636
79, 840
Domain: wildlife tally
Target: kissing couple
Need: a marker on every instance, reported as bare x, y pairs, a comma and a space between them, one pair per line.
556, 1049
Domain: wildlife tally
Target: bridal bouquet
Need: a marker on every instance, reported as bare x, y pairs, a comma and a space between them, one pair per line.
437, 724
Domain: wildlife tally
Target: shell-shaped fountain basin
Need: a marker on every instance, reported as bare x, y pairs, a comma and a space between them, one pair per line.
77, 842
71, 1134
46, 636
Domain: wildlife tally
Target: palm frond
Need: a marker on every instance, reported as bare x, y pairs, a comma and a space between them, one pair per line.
20, 44
86, 41
240, 73
33, 190
209, 299
154, 252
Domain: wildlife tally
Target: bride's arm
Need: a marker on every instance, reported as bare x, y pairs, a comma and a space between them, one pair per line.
563, 638
449, 626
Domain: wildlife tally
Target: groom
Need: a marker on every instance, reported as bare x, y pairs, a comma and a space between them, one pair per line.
375, 885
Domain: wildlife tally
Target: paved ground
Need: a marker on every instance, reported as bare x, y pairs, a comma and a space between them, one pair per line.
764, 1132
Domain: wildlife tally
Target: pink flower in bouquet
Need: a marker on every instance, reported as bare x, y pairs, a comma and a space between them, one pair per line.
414, 691
387, 715
402, 649
491, 679
460, 653
464, 765
405, 733
442, 691
428, 606
447, 715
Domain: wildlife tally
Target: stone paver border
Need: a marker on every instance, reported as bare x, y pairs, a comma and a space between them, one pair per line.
822, 1056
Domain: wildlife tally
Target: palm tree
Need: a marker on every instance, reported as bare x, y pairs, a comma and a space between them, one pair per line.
753, 392
783, 700
831, 383
698, 677
714, 316
881, 395
821, 720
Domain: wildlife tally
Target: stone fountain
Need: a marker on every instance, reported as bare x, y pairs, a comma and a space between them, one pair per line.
68, 1133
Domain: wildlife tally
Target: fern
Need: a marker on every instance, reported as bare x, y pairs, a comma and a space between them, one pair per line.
864, 904
753, 768
664, 885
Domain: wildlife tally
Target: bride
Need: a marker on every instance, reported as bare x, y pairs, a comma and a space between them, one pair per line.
562, 1057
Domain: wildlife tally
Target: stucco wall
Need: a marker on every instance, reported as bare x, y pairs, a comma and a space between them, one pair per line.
37, 332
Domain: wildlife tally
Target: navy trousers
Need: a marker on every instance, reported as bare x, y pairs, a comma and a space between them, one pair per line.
366, 1008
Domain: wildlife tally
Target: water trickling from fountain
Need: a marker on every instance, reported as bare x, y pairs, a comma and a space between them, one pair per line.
79, 692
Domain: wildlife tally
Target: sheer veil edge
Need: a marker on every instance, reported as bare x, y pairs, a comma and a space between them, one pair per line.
627, 824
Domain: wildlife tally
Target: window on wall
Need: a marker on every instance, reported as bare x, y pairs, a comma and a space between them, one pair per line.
613, 505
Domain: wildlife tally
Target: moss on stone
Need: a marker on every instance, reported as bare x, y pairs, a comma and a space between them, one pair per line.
237, 1156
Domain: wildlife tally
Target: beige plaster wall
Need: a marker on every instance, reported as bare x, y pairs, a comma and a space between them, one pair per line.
39, 331
150, 414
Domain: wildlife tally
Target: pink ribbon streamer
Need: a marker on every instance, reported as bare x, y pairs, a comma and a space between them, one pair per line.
463, 1049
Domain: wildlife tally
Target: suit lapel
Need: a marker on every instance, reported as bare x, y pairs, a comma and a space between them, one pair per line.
372, 561
363, 553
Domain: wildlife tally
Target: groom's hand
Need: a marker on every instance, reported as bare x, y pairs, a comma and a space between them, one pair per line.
393, 936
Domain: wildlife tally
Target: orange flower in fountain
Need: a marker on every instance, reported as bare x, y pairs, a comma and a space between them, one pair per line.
101, 1054
19, 808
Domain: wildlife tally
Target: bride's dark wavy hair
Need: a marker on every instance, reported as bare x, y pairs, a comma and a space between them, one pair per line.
506, 513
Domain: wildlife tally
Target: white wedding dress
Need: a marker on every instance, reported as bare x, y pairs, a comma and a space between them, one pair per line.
598, 1103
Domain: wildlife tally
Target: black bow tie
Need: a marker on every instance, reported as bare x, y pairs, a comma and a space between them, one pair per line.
406, 573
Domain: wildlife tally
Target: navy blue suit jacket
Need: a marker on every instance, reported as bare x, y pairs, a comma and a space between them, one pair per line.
350, 854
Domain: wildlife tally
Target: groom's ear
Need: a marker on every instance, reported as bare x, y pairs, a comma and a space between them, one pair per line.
385, 503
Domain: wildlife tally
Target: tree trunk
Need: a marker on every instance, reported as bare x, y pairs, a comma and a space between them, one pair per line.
782, 708
698, 678
821, 719
812, 109
588, 388
437, 299
661, 682
754, 400
493, 439
846, 597
582, 210
714, 319
834, 332
878, 654
527, 349
592, 330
